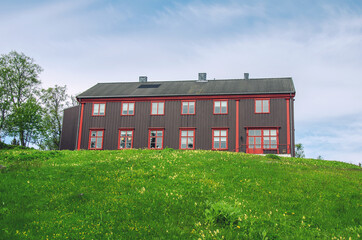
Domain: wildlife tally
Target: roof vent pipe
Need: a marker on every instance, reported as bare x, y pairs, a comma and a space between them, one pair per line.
202, 77
246, 76
143, 79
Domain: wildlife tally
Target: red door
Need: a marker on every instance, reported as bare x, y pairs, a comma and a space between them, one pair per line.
254, 144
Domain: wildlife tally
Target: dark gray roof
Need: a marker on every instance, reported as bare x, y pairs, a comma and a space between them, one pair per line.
190, 88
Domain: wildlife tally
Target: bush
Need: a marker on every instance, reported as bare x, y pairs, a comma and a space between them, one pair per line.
8, 146
222, 214
3, 145
273, 156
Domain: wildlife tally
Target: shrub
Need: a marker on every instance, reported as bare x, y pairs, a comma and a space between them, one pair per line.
273, 156
7, 146
222, 213
3, 145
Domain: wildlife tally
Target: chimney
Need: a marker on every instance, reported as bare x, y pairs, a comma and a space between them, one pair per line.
143, 79
246, 76
202, 77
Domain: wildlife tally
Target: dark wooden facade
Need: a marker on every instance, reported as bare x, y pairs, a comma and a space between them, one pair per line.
204, 120
68, 138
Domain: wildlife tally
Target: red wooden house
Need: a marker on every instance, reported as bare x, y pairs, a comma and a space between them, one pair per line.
246, 115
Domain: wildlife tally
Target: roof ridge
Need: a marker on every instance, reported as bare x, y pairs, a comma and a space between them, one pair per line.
210, 80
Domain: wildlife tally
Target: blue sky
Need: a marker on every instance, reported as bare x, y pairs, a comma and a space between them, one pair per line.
318, 43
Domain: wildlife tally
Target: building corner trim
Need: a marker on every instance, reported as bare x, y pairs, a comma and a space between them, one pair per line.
237, 127
80, 127
288, 127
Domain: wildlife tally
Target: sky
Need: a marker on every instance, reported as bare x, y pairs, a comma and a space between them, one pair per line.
318, 43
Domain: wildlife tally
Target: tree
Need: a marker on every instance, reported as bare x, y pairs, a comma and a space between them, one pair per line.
26, 122
54, 101
299, 151
4, 107
20, 80
4, 97
73, 100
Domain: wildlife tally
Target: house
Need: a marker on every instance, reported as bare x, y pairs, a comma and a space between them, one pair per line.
242, 115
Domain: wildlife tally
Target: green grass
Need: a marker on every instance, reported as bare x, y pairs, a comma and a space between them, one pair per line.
171, 194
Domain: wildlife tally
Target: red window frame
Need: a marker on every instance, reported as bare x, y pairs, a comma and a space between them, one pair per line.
158, 103
262, 105
262, 137
126, 137
99, 108
188, 107
134, 106
227, 138
269, 136
96, 137
187, 138
156, 137
221, 100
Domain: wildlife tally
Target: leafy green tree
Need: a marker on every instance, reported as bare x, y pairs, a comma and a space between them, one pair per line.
299, 151
26, 122
20, 81
4, 109
54, 101
4, 97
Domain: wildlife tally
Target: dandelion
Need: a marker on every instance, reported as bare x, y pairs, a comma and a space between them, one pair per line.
142, 191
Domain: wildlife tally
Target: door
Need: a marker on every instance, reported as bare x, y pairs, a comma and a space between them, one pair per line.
254, 144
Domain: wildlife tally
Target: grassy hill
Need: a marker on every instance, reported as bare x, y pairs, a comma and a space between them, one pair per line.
171, 194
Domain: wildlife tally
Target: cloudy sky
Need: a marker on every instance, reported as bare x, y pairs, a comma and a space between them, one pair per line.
317, 43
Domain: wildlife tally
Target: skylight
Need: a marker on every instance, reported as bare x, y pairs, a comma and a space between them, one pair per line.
149, 85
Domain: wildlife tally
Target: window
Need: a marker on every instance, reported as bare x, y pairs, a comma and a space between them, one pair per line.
187, 139
125, 139
96, 139
259, 139
220, 107
149, 86
219, 139
155, 139
262, 105
254, 139
270, 139
127, 108
157, 108
188, 107
99, 109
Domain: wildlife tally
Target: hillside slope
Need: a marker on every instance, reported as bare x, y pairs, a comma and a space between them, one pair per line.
171, 194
